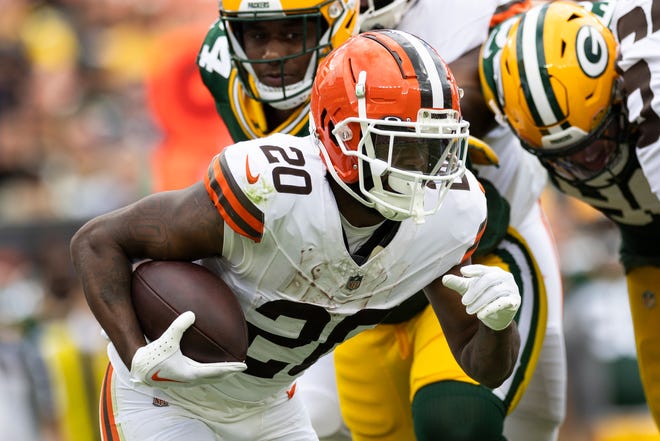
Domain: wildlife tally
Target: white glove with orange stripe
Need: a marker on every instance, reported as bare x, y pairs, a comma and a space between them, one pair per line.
162, 364
488, 291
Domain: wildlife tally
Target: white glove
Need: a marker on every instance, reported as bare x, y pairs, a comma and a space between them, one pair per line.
161, 363
488, 291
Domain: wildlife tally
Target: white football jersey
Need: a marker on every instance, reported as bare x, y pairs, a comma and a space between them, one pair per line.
285, 258
451, 27
519, 176
636, 25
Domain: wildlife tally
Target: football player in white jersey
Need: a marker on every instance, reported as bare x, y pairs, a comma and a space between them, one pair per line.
232, 66
585, 98
425, 393
255, 98
319, 237
293, 35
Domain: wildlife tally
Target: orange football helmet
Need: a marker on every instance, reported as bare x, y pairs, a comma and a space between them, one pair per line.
385, 109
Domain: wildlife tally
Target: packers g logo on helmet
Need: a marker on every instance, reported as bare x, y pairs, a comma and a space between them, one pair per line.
591, 51
557, 76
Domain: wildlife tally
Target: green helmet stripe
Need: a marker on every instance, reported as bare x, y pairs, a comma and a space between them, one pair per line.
535, 81
490, 50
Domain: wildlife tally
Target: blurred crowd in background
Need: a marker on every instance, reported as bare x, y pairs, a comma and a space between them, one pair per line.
92, 117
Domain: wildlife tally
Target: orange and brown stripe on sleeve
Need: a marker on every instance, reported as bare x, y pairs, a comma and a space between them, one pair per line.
106, 410
235, 208
474, 246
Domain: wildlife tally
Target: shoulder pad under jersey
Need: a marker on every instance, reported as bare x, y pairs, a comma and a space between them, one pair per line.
252, 178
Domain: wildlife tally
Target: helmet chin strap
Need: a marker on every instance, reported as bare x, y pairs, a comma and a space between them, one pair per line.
300, 91
416, 203
417, 216
288, 103
390, 214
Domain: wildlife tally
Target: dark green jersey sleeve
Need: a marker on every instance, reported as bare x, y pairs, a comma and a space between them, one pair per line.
214, 63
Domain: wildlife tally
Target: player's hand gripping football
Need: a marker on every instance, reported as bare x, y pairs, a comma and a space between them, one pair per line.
488, 291
162, 364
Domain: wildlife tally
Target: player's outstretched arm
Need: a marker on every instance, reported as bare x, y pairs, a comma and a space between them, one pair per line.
475, 305
175, 225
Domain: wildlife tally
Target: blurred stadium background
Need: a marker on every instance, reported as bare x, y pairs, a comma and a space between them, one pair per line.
100, 104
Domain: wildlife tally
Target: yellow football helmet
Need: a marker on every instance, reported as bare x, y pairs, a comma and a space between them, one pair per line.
557, 83
336, 21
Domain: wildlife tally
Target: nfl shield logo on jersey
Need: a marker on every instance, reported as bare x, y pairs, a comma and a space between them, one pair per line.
354, 282
157, 402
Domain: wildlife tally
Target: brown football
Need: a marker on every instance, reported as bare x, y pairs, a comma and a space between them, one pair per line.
162, 290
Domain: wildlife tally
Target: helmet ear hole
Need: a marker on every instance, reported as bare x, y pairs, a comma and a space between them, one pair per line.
324, 114
507, 68
331, 129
